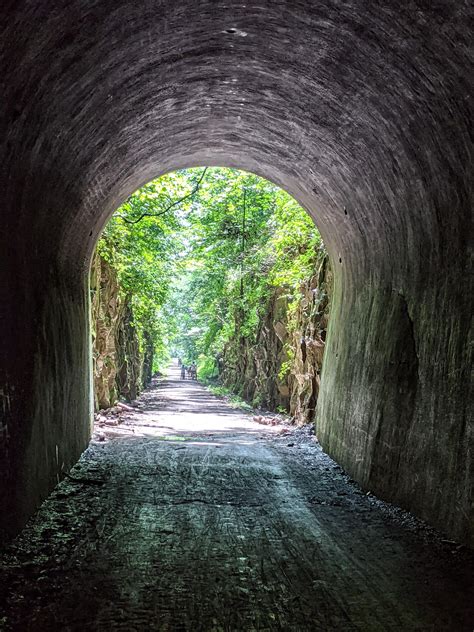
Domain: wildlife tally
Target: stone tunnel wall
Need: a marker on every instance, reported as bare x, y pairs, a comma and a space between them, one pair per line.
359, 111
411, 365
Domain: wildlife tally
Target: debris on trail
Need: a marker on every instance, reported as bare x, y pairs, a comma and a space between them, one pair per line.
301, 436
113, 418
299, 433
125, 407
271, 420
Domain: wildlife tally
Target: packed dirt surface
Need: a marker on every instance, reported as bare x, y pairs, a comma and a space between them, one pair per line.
192, 516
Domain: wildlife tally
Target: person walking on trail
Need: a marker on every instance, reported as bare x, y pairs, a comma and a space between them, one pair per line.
183, 371
193, 371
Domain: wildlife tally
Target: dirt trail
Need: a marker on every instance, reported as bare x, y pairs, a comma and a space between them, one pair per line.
201, 519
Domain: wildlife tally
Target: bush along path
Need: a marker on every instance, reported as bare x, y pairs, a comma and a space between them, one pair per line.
192, 516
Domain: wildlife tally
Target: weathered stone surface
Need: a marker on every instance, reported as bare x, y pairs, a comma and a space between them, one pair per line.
251, 367
120, 367
360, 111
281, 367
106, 312
129, 359
308, 343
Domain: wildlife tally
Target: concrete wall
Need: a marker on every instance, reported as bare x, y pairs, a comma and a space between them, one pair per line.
358, 110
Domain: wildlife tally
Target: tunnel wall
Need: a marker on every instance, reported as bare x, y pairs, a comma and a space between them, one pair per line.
46, 418
402, 428
361, 112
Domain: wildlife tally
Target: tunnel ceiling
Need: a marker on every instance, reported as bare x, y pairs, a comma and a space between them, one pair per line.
360, 110
344, 105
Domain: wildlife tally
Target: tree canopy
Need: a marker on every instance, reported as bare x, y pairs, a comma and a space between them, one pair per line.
199, 251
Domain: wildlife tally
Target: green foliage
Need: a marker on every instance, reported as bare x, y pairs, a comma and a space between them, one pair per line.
234, 400
200, 272
245, 236
145, 254
295, 243
284, 369
207, 368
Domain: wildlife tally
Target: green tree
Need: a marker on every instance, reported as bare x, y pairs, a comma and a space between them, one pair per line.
199, 251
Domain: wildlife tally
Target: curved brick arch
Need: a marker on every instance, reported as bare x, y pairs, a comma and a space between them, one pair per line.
360, 112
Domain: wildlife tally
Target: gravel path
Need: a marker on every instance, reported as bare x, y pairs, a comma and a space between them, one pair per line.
194, 517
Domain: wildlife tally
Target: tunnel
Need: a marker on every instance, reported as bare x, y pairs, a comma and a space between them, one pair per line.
359, 110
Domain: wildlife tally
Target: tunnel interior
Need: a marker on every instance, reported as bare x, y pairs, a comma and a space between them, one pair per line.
360, 113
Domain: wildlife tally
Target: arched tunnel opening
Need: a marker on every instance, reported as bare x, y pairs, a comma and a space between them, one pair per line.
359, 112
225, 273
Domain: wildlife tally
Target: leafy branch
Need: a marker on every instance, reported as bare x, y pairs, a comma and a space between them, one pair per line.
168, 208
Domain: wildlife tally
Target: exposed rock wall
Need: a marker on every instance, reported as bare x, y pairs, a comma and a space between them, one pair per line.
307, 343
282, 368
251, 368
129, 356
121, 368
106, 313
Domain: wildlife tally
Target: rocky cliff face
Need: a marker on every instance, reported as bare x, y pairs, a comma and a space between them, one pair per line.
129, 357
281, 369
307, 334
121, 366
106, 313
